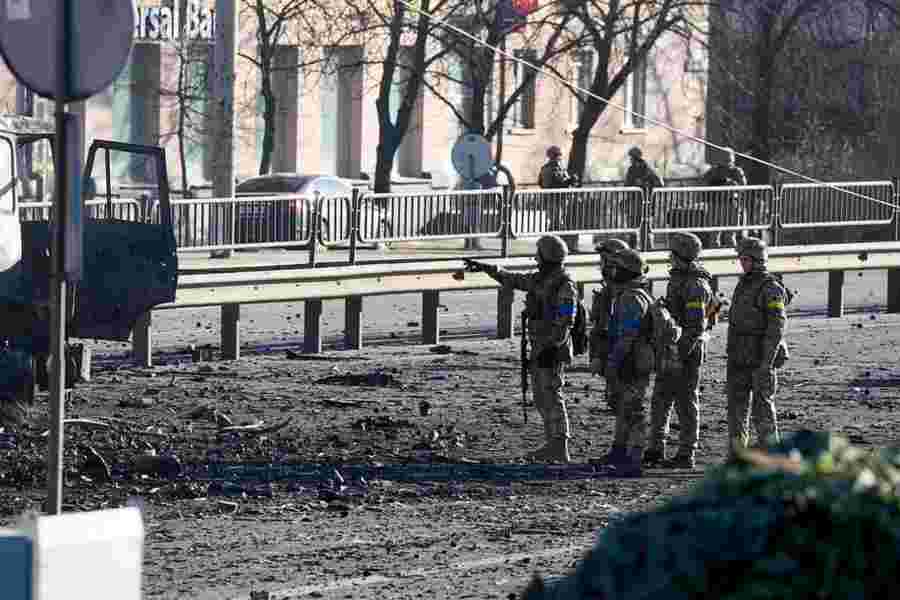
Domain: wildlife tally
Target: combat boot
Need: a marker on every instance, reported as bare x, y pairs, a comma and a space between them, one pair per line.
681, 461
654, 456
555, 450
630, 466
616, 455
12, 413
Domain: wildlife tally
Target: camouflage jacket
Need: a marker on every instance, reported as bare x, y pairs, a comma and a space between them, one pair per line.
600, 309
756, 321
641, 175
550, 303
553, 176
628, 322
687, 296
725, 175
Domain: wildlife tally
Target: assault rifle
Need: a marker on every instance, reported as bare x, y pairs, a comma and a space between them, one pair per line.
713, 309
523, 359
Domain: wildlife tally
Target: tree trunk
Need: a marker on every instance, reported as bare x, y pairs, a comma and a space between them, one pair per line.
268, 141
384, 161
759, 174
180, 133
593, 108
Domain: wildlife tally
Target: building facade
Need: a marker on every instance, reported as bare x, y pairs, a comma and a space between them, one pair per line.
327, 121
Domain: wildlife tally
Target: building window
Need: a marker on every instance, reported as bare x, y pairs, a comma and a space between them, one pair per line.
635, 92
523, 109
856, 87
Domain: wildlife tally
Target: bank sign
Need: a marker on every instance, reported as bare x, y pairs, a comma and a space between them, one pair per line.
163, 23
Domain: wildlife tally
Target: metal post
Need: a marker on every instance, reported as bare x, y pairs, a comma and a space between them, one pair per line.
315, 230
355, 207
223, 178
499, 156
58, 289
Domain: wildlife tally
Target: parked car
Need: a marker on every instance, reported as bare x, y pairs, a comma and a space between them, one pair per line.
283, 220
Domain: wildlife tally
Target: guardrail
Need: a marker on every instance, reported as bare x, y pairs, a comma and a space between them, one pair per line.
229, 289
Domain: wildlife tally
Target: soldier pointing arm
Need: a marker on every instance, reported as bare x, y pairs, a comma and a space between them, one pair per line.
550, 305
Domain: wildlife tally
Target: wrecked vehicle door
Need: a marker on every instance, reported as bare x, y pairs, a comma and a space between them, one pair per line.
130, 264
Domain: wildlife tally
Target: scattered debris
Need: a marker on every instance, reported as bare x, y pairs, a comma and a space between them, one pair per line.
380, 422
167, 465
94, 465
291, 355
258, 428
376, 378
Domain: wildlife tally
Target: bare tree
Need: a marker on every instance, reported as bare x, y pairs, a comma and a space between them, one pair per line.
187, 98
773, 66
275, 21
622, 34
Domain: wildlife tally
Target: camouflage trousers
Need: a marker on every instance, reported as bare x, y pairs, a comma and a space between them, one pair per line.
751, 397
682, 392
547, 387
631, 413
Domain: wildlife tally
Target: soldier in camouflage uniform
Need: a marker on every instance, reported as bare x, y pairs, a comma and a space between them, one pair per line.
630, 361
756, 347
600, 308
727, 174
687, 296
551, 305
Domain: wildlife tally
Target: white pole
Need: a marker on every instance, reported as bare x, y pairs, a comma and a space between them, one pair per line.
224, 54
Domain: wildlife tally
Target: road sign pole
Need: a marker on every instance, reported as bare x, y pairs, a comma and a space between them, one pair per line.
58, 295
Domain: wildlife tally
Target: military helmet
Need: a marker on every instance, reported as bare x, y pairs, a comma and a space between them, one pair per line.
754, 248
635, 152
630, 260
552, 248
611, 246
686, 245
554, 152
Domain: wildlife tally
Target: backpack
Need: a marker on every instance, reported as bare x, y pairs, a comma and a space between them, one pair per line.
579, 333
663, 333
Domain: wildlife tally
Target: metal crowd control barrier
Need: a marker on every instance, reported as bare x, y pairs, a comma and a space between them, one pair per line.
335, 219
595, 210
127, 209
715, 214
243, 222
430, 215
809, 212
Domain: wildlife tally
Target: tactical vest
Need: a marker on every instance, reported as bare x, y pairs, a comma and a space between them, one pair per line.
748, 315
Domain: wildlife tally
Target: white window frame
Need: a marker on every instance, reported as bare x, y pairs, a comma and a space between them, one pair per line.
528, 96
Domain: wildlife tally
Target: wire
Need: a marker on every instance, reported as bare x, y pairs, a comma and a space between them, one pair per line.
414, 6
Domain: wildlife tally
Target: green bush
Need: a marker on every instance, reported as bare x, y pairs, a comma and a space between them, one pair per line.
811, 517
